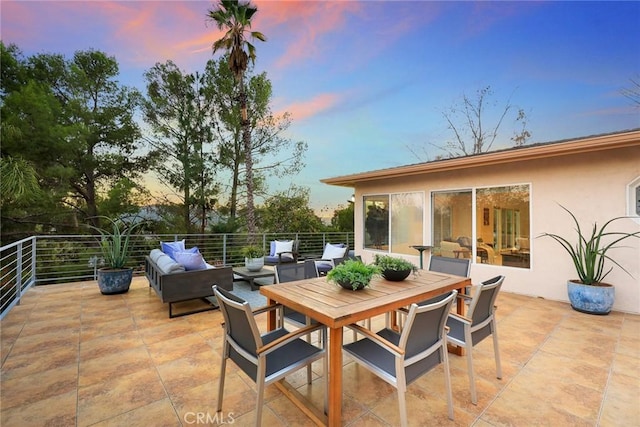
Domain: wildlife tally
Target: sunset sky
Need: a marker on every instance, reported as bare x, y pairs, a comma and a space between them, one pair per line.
367, 81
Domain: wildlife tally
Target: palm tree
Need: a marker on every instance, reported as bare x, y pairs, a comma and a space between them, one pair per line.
236, 17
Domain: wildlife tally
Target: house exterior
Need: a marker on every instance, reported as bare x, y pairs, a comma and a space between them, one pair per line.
493, 207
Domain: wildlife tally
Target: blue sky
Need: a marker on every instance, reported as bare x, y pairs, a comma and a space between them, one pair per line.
366, 80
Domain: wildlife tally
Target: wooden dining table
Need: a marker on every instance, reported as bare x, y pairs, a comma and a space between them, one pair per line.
336, 307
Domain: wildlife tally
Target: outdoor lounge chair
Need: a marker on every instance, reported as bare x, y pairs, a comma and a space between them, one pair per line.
329, 254
282, 252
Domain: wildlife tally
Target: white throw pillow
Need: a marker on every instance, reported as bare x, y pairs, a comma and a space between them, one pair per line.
333, 251
190, 260
284, 246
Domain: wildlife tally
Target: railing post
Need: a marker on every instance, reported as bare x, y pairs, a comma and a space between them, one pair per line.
224, 249
19, 272
33, 259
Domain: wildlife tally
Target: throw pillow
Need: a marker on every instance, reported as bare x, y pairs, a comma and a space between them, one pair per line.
170, 247
190, 260
333, 251
283, 246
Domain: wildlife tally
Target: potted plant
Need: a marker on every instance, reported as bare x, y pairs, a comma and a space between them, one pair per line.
253, 257
394, 268
353, 274
588, 293
115, 277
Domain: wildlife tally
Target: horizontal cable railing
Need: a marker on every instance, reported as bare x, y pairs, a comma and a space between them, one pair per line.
17, 272
51, 259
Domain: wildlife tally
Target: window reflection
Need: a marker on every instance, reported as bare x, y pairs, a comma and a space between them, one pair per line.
501, 233
393, 223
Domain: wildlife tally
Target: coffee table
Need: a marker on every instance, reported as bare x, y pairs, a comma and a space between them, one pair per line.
250, 276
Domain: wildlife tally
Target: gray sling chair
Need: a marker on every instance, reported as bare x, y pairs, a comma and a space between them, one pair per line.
267, 357
441, 264
479, 323
401, 358
459, 267
289, 273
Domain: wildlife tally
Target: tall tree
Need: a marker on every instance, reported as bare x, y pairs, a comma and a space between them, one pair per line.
181, 114
343, 218
74, 125
107, 135
288, 211
271, 152
235, 18
475, 125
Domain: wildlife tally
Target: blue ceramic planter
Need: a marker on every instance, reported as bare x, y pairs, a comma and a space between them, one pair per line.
591, 299
114, 281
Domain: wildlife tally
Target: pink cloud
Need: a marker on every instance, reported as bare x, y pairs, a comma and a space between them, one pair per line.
308, 21
312, 107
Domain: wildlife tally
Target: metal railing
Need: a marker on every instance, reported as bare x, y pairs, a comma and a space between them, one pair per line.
51, 259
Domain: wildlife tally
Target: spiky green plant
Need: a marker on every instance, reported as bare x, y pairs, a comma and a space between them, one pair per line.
114, 244
590, 251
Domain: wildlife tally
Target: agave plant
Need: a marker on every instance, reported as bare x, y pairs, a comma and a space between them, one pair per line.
589, 253
114, 244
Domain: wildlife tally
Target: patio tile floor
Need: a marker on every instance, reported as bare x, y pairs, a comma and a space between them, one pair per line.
71, 356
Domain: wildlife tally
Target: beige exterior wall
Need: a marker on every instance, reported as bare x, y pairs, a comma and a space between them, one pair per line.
593, 185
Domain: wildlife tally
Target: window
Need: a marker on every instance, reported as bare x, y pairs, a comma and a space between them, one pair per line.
501, 234
393, 223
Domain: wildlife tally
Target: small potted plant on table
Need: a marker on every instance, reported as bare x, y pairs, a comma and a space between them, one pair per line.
353, 274
253, 257
394, 268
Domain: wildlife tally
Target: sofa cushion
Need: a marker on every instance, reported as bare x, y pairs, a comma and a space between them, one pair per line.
167, 265
334, 251
283, 246
170, 247
190, 260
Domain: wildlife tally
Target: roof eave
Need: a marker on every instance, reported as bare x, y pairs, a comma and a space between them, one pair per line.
546, 150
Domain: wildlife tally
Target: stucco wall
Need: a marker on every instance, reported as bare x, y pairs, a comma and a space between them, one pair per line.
592, 185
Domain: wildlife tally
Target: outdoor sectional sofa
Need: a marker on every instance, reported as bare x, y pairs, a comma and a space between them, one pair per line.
174, 284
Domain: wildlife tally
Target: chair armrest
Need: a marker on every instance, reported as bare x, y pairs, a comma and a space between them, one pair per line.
377, 339
266, 308
461, 318
293, 254
464, 296
291, 336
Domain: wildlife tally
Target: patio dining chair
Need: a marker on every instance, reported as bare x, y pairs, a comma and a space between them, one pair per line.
457, 266
478, 324
401, 358
265, 358
289, 273
441, 264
